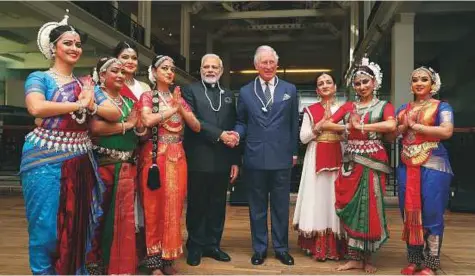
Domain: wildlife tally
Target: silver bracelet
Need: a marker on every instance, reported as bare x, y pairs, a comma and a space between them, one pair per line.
140, 133
123, 128
94, 111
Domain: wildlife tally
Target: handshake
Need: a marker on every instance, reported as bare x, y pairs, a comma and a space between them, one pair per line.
229, 138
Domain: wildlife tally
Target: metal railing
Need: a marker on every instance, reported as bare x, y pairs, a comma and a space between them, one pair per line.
114, 18
160, 48
126, 25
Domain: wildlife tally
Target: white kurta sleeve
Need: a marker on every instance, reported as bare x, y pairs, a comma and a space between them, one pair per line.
306, 133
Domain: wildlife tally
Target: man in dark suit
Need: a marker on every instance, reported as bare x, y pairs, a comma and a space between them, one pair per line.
212, 163
267, 120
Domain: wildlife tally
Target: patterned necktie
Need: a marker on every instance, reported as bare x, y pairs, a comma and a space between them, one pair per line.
268, 95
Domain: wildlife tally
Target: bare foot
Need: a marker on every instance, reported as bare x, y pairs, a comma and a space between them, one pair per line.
169, 270
369, 268
157, 272
350, 265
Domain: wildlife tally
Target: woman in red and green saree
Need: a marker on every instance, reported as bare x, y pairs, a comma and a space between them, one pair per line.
127, 53
61, 187
360, 185
424, 173
163, 174
114, 143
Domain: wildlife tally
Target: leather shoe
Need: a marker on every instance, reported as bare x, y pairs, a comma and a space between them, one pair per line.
217, 254
284, 257
194, 258
258, 258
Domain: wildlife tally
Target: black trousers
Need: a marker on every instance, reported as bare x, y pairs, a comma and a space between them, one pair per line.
206, 209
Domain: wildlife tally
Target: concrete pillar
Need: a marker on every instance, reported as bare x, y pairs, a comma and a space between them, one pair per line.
354, 27
226, 78
115, 12
185, 33
402, 58
209, 42
345, 46
145, 19
353, 36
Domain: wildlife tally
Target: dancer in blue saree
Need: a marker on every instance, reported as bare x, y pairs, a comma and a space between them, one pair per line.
58, 174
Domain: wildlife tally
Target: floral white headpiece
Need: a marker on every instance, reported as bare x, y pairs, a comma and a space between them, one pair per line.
374, 67
161, 58
107, 64
436, 82
46, 47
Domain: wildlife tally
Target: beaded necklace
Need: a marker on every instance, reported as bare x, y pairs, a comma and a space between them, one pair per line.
80, 118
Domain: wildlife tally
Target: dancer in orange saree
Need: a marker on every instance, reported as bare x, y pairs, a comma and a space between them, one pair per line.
424, 173
163, 174
360, 185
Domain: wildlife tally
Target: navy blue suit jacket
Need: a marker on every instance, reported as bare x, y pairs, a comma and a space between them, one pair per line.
271, 138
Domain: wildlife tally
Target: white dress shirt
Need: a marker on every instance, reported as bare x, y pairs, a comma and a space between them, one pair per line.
271, 86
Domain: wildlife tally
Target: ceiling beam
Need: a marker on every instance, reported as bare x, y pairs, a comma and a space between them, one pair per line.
277, 38
273, 14
446, 7
290, 26
197, 6
8, 23
225, 29
13, 57
13, 37
10, 47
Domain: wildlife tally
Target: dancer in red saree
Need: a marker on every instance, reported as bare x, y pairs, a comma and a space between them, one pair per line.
127, 53
360, 185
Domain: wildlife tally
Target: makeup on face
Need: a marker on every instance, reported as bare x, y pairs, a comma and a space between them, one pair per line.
166, 72
325, 85
69, 48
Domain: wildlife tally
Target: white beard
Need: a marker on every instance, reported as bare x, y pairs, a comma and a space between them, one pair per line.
210, 80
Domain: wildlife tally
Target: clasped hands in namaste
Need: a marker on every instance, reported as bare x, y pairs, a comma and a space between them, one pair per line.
87, 93
407, 120
176, 102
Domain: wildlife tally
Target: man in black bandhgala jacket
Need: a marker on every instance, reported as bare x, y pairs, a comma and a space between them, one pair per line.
212, 160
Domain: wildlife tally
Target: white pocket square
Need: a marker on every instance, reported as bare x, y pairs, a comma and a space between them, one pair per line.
286, 97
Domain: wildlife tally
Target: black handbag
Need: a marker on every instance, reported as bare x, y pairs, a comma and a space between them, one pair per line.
153, 182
